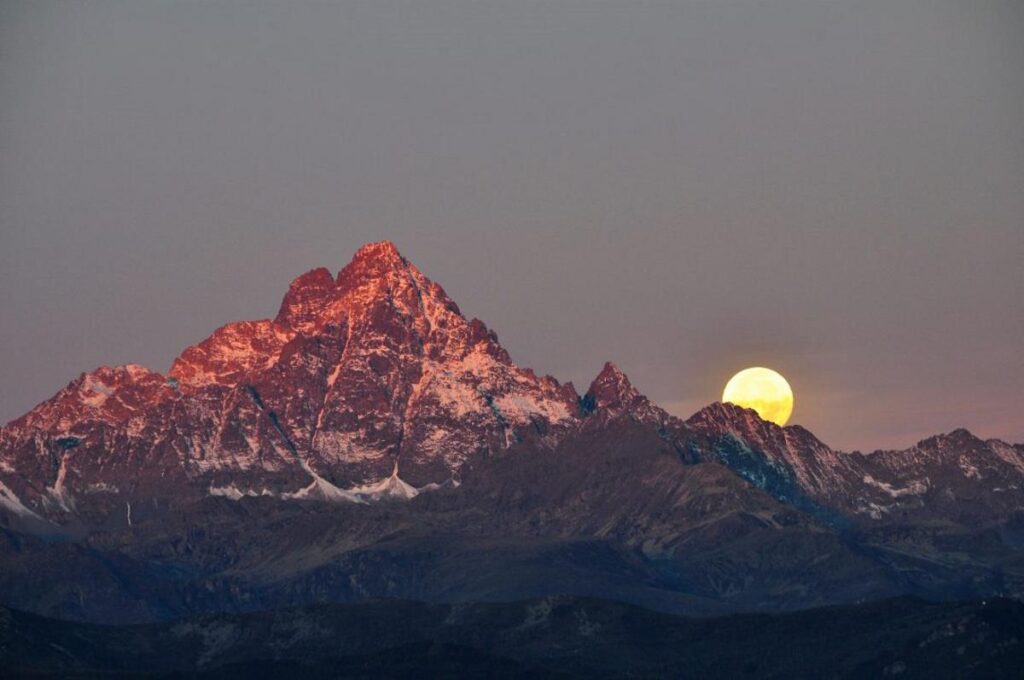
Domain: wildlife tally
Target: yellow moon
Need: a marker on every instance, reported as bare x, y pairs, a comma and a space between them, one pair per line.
763, 390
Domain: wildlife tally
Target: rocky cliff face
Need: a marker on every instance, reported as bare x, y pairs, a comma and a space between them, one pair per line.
372, 383
358, 377
954, 476
370, 441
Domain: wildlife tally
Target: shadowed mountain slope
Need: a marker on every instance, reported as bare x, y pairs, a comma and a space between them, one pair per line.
557, 637
370, 441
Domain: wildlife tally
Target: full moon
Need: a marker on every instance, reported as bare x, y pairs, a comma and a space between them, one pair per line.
763, 390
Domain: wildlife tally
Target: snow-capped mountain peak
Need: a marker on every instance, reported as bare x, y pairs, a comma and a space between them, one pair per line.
375, 370
356, 374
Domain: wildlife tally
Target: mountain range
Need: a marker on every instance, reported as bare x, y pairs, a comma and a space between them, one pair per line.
371, 442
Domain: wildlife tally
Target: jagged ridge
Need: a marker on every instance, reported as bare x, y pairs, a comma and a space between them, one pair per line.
372, 383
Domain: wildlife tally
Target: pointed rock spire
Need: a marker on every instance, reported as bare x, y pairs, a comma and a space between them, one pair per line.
611, 387
729, 416
960, 437
306, 297
373, 260
720, 417
378, 251
612, 392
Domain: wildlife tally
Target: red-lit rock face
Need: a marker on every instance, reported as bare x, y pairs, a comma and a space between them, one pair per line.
373, 383
356, 374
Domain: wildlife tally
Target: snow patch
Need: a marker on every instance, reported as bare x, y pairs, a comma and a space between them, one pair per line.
390, 487
94, 392
1007, 454
969, 469
520, 406
10, 501
874, 510
136, 371
320, 489
58, 493
333, 377
230, 491
915, 488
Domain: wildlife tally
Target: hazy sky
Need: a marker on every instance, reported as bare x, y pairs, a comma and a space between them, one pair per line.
831, 189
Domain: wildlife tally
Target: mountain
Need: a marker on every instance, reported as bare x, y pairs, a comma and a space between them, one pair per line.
555, 637
370, 441
957, 475
358, 377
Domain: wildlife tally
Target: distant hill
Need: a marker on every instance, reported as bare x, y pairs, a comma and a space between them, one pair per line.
555, 637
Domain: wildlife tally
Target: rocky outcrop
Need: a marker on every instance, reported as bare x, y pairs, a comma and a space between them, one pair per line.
438, 469
373, 379
356, 375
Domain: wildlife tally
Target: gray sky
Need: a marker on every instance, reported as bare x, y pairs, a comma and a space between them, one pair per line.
834, 190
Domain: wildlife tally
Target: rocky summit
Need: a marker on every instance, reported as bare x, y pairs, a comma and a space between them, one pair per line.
362, 378
370, 441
